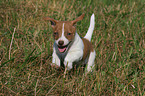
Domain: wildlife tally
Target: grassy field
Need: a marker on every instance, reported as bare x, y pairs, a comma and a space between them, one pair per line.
26, 42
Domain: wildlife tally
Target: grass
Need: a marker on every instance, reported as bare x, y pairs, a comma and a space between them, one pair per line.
118, 38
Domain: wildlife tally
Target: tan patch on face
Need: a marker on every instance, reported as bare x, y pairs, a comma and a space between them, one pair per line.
57, 30
69, 31
88, 47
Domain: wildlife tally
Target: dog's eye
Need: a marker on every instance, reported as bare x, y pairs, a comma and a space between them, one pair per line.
68, 33
55, 33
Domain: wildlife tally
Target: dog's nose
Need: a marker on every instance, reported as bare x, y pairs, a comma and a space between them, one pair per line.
61, 42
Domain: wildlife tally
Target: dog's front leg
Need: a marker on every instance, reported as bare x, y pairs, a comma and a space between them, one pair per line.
55, 60
72, 57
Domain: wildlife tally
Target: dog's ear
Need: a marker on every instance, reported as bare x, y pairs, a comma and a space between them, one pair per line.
53, 21
78, 19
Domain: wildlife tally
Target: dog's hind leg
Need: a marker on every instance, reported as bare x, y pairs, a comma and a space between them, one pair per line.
91, 60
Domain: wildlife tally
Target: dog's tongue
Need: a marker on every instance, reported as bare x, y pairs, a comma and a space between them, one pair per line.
62, 49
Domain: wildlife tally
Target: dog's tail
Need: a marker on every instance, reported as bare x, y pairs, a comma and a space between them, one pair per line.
91, 28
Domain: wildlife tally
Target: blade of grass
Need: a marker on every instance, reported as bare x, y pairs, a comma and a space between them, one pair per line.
12, 59
11, 44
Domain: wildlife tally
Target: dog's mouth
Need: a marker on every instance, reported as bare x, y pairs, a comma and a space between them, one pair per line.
63, 49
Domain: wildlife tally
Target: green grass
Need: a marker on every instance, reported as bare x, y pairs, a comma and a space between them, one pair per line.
118, 38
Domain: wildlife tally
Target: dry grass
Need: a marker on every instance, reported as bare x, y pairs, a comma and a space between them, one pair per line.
119, 41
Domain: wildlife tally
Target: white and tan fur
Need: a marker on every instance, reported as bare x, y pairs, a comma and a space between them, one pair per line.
69, 47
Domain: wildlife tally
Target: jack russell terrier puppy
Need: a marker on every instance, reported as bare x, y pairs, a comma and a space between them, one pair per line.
69, 47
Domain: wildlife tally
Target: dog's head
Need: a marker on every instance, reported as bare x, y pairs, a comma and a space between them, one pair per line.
63, 32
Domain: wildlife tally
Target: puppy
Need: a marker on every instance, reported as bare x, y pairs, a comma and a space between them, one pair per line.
69, 47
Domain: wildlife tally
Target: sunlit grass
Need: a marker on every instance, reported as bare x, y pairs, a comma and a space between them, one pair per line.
118, 39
